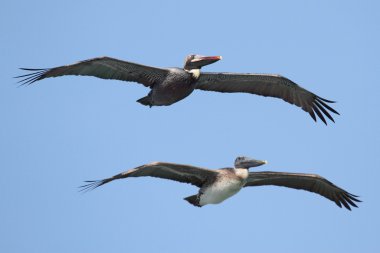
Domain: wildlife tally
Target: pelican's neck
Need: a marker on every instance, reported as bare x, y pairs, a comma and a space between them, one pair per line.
242, 173
194, 72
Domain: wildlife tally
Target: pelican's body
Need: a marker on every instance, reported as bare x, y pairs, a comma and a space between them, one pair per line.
170, 85
229, 182
178, 85
219, 185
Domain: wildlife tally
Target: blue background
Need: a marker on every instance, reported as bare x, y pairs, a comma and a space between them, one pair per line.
60, 132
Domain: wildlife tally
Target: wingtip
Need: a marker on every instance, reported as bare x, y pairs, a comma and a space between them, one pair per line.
322, 102
29, 69
322, 109
89, 186
312, 115
326, 100
30, 78
320, 115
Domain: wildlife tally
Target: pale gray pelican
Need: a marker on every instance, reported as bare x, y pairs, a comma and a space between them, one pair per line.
170, 85
218, 185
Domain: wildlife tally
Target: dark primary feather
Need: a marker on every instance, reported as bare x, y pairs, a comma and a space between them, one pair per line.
309, 182
102, 67
178, 172
268, 85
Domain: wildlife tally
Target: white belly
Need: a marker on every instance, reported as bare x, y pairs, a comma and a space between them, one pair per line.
220, 191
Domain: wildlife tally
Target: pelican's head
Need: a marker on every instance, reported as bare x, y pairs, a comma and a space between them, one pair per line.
246, 162
195, 61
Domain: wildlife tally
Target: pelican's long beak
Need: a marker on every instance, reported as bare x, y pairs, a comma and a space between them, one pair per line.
248, 163
205, 60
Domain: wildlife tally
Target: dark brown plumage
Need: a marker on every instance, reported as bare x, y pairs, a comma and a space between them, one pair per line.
309, 182
170, 85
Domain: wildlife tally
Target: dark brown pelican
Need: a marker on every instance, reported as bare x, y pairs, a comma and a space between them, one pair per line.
218, 185
169, 85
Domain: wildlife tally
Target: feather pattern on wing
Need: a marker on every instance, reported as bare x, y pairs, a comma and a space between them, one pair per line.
309, 182
178, 172
269, 86
102, 67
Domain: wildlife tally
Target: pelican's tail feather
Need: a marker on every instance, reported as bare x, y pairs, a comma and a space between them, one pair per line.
194, 200
145, 101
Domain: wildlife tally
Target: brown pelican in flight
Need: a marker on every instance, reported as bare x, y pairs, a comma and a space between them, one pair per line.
218, 185
170, 85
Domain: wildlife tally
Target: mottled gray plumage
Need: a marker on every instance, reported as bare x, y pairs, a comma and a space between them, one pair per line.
170, 85
218, 185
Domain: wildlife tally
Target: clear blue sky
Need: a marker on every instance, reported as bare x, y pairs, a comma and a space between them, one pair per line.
60, 132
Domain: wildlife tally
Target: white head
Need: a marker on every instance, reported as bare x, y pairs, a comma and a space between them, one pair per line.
195, 61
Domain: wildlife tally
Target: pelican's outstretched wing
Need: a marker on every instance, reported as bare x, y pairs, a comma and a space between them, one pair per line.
177, 172
309, 182
102, 67
268, 86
